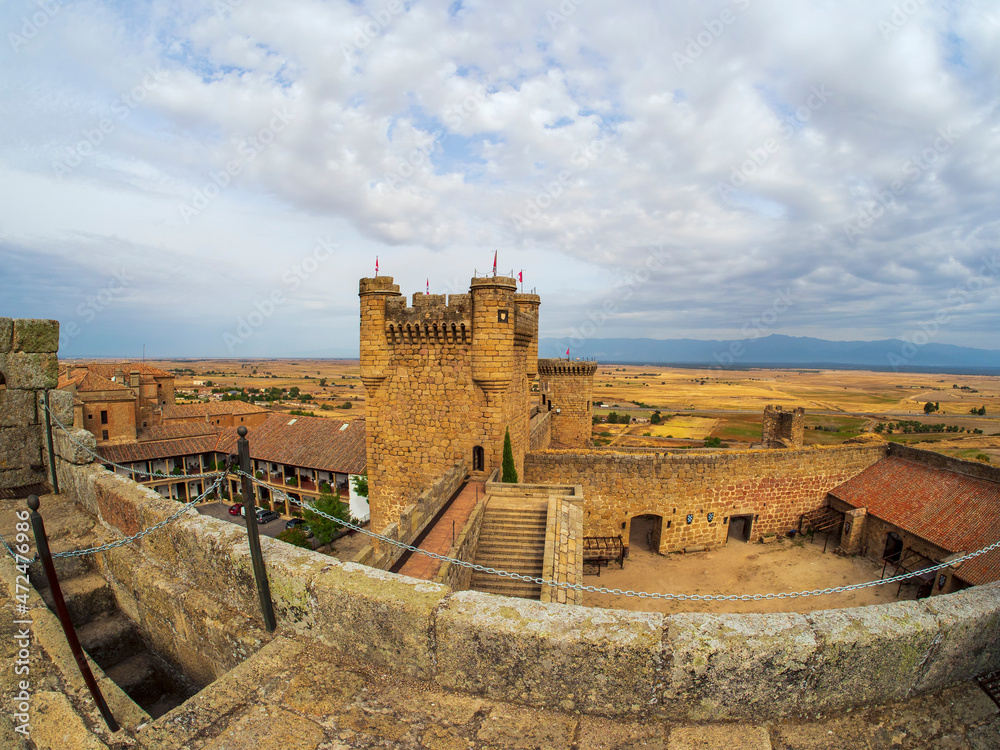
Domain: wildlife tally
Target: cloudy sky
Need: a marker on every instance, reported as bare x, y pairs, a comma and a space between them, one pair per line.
212, 178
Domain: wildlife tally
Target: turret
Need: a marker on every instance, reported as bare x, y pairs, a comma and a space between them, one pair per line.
374, 346
568, 388
493, 319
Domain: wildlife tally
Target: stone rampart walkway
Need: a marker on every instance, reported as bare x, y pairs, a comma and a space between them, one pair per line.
439, 539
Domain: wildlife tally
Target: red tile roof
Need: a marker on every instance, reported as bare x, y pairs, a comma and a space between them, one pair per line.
953, 511
174, 431
108, 369
88, 381
308, 442
209, 408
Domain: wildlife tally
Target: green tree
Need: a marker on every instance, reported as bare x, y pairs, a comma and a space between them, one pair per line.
323, 528
295, 537
509, 470
360, 482
929, 407
655, 418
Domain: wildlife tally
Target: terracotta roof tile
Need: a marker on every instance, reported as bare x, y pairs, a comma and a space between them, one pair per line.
309, 442
150, 451
174, 431
953, 511
210, 408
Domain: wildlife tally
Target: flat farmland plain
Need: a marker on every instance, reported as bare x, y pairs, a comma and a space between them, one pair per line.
694, 403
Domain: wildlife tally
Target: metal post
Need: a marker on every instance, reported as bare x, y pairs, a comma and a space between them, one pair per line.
52, 452
250, 513
42, 545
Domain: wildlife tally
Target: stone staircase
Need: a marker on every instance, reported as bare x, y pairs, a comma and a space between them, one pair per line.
512, 539
110, 638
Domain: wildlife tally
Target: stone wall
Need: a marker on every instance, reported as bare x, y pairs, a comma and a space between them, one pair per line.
609, 662
28, 366
541, 431
696, 494
563, 561
458, 577
569, 387
413, 519
782, 429
443, 380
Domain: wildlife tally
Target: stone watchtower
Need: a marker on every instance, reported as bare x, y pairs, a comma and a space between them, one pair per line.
567, 390
445, 380
782, 429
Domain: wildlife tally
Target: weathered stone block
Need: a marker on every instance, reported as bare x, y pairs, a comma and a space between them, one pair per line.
61, 405
969, 641
869, 654
20, 447
75, 446
730, 666
36, 335
6, 335
17, 408
378, 616
530, 652
29, 371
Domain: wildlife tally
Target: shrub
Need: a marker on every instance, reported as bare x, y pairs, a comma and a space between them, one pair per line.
295, 537
509, 470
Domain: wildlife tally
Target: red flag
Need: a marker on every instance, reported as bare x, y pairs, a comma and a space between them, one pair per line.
520, 276
428, 287
376, 265
494, 262
567, 352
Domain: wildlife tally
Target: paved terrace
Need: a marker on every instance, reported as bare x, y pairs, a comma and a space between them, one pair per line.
441, 536
298, 694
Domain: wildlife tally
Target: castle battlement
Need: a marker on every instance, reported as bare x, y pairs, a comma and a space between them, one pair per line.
566, 367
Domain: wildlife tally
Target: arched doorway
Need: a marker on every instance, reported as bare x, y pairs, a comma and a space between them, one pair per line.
645, 532
478, 458
893, 548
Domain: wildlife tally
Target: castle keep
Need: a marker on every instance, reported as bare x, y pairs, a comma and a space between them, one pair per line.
445, 381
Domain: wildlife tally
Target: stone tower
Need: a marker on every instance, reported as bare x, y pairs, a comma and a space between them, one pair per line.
782, 429
445, 379
567, 389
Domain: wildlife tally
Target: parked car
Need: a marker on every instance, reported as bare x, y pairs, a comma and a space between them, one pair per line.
266, 516
296, 523
236, 510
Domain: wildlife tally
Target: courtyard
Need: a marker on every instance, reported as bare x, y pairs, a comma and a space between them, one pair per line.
740, 568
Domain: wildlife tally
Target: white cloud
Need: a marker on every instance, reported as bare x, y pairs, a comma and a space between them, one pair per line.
565, 139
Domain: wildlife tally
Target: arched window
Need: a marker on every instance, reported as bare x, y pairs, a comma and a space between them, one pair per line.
478, 458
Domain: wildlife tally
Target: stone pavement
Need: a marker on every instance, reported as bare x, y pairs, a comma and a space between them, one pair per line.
440, 537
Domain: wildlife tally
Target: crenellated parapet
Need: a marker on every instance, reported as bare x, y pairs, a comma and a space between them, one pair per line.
431, 321
565, 367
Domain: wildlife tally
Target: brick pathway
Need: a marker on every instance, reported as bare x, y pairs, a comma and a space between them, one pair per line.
439, 538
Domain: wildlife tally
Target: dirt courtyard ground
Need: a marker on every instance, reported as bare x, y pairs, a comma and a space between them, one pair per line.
740, 568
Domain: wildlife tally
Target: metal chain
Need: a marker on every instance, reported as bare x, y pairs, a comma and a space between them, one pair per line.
630, 593
155, 527
104, 461
17, 558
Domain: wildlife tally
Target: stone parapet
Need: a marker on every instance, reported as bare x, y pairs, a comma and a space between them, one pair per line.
563, 561
606, 662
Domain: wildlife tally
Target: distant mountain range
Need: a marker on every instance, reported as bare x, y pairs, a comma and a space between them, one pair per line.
777, 350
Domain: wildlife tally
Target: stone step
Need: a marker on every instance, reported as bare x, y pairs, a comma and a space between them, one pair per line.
499, 549
511, 588
517, 527
512, 567
110, 639
137, 676
87, 597
523, 540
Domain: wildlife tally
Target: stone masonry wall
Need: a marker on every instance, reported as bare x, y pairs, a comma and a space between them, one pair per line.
605, 662
442, 379
28, 366
541, 431
563, 561
413, 519
570, 387
774, 486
